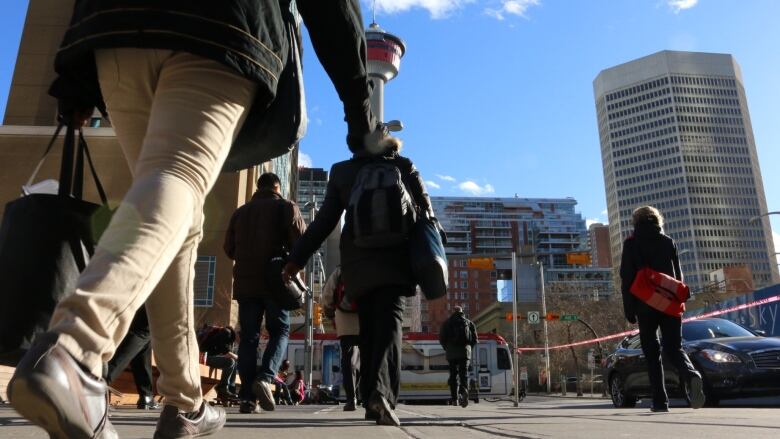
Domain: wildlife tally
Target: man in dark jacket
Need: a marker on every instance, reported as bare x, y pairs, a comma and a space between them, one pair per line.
458, 336
380, 276
219, 343
177, 78
260, 230
649, 247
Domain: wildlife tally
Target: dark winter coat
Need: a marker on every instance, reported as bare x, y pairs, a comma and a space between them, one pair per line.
249, 36
646, 247
449, 339
257, 232
362, 269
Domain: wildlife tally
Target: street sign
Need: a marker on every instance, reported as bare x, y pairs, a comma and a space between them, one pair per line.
482, 263
523, 373
533, 317
569, 318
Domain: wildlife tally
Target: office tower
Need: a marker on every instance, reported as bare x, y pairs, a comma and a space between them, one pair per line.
675, 133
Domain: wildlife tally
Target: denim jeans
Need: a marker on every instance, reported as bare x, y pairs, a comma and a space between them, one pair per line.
277, 323
227, 365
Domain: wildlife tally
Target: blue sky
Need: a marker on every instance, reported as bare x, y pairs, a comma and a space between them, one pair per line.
496, 95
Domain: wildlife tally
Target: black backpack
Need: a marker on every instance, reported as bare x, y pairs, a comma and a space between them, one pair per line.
460, 331
380, 212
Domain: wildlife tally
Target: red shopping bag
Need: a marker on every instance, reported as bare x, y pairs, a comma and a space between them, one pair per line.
660, 291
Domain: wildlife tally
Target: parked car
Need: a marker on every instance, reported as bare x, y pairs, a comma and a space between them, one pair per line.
735, 362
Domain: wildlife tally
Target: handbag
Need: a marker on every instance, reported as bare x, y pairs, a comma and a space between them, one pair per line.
46, 240
274, 131
428, 258
660, 291
288, 296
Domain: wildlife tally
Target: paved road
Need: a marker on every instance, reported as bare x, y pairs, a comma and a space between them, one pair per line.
537, 417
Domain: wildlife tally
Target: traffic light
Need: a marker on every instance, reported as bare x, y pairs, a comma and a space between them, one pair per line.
552, 316
316, 319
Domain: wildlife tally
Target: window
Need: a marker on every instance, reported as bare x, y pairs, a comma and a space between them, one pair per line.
411, 359
464, 284
502, 354
205, 272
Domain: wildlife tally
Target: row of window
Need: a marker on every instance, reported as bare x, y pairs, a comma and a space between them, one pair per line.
740, 201
708, 110
726, 233
637, 99
722, 190
644, 177
706, 101
709, 140
651, 199
698, 80
705, 91
731, 244
640, 128
722, 222
724, 211
640, 108
650, 187
715, 149
710, 120
732, 255
674, 150
641, 117
638, 89
652, 165
717, 159
710, 129
645, 146
740, 170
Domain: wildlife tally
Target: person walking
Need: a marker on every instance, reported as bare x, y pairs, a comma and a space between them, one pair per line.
135, 351
649, 247
458, 336
264, 228
347, 324
379, 277
177, 80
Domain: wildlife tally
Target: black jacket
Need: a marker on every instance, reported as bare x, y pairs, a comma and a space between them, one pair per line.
362, 269
646, 247
257, 232
450, 341
246, 35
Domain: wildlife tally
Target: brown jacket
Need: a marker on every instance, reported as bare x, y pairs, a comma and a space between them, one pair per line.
258, 230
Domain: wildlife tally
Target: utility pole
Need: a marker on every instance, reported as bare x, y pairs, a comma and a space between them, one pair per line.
546, 336
516, 357
308, 345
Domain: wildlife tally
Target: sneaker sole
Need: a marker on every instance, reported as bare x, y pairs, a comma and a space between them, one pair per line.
265, 400
46, 410
697, 393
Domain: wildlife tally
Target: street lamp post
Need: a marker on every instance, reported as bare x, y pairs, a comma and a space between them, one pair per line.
546, 336
756, 218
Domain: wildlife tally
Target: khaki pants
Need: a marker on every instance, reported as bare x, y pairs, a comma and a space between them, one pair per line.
175, 116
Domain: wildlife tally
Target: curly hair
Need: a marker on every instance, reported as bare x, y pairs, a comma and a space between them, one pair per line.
647, 214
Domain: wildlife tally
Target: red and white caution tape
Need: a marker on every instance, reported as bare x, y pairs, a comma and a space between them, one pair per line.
634, 331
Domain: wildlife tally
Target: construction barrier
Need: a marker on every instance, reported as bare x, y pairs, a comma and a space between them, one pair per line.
635, 331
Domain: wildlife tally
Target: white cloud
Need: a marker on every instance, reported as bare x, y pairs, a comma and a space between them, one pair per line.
446, 178
511, 7
437, 8
433, 184
679, 5
590, 221
304, 160
473, 188
604, 212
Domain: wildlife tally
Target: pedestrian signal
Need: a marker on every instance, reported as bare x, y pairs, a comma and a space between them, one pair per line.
552, 316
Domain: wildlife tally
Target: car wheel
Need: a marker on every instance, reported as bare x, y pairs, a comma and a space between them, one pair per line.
620, 398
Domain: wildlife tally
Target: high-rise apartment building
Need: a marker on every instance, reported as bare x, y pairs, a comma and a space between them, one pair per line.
675, 133
540, 229
312, 185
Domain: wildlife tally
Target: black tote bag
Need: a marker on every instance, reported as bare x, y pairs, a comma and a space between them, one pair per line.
46, 240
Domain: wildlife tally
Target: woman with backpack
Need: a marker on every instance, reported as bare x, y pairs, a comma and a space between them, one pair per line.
649, 247
374, 259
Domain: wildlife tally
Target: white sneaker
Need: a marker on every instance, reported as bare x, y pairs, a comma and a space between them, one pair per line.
264, 394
